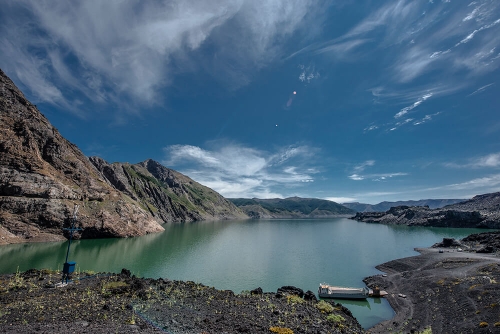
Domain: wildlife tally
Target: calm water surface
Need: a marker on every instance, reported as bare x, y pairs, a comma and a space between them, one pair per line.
243, 255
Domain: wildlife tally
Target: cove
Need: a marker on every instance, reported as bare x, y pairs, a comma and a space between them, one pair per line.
244, 255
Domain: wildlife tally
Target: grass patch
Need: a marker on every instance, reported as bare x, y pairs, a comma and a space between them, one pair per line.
281, 330
335, 318
324, 307
294, 299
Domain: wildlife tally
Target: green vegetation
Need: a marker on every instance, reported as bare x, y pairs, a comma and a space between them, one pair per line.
335, 318
294, 204
428, 330
324, 306
293, 299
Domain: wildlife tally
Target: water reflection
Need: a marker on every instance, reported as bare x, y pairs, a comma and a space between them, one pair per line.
243, 255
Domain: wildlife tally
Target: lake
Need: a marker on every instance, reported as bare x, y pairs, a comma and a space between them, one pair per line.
244, 255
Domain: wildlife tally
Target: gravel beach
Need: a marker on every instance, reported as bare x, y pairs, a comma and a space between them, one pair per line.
445, 290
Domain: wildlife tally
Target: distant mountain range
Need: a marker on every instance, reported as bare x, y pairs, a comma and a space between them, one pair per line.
292, 207
482, 211
42, 176
384, 206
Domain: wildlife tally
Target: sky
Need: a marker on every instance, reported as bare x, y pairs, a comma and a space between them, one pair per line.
348, 100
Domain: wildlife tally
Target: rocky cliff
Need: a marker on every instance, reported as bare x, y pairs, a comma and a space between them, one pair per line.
167, 195
292, 207
42, 176
482, 211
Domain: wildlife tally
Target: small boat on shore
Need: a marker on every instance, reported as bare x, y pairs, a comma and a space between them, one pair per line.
329, 291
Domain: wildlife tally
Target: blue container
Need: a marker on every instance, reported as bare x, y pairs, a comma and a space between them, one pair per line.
69, 267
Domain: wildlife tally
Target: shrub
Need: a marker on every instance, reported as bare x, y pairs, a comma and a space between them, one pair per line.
294, 299
428, 330
483, 324
324, 307
281, 330
335, 318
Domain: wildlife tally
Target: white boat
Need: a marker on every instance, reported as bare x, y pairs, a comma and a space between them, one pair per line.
328, 291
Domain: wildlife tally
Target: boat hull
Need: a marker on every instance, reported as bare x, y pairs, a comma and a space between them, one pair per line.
337, 292
343, 295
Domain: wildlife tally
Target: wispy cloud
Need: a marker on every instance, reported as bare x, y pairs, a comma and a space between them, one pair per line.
488, 161
406, 110
485, 184
124, 49
481, 89
239, 171
358, 175
425, 119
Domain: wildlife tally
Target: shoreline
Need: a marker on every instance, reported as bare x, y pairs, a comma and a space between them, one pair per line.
448, 291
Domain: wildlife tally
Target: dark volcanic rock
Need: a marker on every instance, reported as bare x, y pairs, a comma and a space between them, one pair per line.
290, 290
42, 176
108, 303
482, 211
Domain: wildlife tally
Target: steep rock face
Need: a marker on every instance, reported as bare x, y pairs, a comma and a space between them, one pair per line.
168, 195
482, 211
42, 176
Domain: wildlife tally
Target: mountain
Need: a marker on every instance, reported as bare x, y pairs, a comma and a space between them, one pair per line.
43, 175
384, 206
292, 207
169, 196
482, 211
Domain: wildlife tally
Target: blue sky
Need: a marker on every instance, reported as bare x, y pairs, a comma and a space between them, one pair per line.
344, 100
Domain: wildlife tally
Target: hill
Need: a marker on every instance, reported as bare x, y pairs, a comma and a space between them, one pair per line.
292, 207
384, 206
482, 211
167, 195
42, 176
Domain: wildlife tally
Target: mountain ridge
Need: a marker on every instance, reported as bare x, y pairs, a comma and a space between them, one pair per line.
386, 205
291, 207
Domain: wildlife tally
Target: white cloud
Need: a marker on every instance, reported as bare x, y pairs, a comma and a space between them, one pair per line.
125, 48
425, 119
341, 199
361, 167
239, 171
358, 169
405, 110
488, 184
488, 161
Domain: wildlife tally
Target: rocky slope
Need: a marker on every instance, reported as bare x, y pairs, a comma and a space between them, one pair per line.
42, 176
292, 207
384, 206
169, 196
482, 211
111, 303
444, 290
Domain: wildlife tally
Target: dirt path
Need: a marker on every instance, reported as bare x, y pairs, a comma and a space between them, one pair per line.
451, 292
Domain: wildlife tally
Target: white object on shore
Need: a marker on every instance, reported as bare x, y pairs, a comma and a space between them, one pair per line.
328, 291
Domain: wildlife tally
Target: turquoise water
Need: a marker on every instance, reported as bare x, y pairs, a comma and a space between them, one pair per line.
243, 255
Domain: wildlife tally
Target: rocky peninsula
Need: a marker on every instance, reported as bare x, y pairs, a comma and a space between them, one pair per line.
451, 287
482, 211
